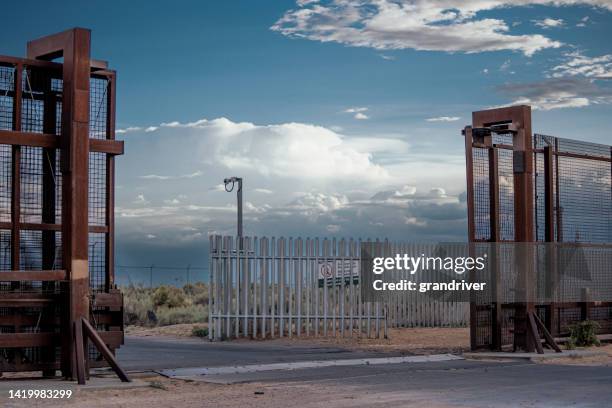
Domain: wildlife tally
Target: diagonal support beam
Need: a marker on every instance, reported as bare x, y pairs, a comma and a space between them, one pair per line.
93, 335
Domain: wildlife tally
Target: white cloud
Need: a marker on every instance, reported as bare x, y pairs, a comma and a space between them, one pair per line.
387, 57
583, 22
485, 71
444, 119
288, 150
263, 191
577, 64
358, 112
549, 23
558, 93
182, 176
418, 24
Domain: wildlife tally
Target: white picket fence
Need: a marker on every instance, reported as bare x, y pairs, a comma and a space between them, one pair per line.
269, 287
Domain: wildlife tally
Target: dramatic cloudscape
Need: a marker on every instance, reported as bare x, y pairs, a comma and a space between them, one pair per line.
343, 117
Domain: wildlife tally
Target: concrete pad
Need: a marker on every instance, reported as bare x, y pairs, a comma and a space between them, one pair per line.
93, 384
548, 355
191, 373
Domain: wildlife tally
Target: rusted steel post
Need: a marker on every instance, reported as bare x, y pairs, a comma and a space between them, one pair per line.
469, 172
520, 119
16, 171
74, 46
549, 236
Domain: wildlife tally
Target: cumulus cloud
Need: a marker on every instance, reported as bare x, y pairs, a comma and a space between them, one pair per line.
404, 212
293, 150
558, 93
549, 23
444, 119
418, 24
577, 64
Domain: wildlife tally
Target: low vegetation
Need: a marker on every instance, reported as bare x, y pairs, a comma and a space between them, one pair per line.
583, 334
165, 305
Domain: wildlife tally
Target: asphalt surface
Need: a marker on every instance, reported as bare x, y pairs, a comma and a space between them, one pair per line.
143, 353
463, 383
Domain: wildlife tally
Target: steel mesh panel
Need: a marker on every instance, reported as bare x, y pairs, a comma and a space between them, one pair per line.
503, 138
482, 227
98, 105
30, 250
539, 181
6, 179
603, 316
58, 179
32, 104
31, 183
507, 334
584, 200
568, 317
97, 188
58, 118
483, 328
506, 194
5, 250
97, 261
7, 84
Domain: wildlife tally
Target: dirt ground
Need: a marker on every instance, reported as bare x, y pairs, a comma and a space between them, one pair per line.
408, 340
183, 394
603, 360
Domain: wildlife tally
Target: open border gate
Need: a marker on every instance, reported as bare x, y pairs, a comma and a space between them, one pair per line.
57, 169
529, 188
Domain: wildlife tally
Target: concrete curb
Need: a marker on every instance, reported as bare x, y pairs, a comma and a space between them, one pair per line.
204, 371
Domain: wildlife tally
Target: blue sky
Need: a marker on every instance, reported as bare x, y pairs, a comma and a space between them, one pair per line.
344, 117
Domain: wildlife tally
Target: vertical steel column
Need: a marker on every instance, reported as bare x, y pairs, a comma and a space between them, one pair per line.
16, 173
74, 46
469, 172
549, 236
110, 184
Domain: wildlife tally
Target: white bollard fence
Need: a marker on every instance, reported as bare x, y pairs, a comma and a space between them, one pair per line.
269, 287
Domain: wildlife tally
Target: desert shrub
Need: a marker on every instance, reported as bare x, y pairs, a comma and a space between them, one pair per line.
199, 331
137, 305
165, 305
183, 314
169, 296
584, 334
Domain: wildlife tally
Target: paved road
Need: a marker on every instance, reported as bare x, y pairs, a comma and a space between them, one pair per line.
142, 353
462, 383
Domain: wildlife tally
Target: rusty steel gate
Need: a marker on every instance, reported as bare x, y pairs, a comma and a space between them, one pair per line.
57, 153
534, 188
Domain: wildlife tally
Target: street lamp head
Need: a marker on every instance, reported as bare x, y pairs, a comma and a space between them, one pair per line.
232, 180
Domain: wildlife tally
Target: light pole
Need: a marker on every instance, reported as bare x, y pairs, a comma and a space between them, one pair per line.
233, 181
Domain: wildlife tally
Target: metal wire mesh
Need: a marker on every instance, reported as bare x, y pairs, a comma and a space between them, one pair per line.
482, 217
506, 194
5, 250
31, 184
97, 261
7, 84
30, 250
584, 200
6, 179
32, 102
98, 105
97, 188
